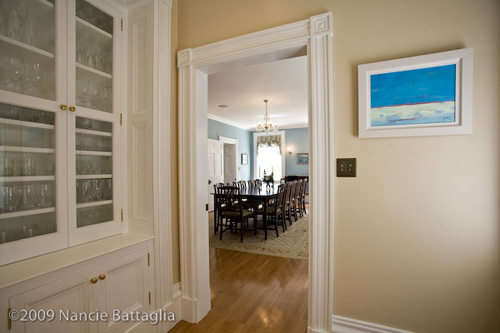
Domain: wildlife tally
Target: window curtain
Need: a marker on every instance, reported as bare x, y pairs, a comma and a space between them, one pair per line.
269, 141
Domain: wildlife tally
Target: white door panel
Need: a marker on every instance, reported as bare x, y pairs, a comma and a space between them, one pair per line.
215, 168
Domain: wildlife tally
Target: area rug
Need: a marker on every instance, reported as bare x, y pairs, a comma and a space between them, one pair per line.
293, 243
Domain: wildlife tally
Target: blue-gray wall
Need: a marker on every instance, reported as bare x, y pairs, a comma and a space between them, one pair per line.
298, 140
245, 144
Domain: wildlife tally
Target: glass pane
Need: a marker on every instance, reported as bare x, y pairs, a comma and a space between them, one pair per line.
27, 173
94, 170
94, 215
27, 47
94, 57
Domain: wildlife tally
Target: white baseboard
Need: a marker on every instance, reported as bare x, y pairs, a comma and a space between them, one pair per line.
174, 307
347, 325
176, 290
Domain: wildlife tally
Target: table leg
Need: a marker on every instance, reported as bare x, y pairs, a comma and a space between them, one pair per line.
216, 221
265, 218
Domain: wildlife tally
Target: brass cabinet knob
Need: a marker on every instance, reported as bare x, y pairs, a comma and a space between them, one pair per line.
93, 280
63, 106
102, 276
72, 108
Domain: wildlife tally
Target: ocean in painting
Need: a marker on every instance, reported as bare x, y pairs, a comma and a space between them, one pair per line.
413, 114
411, 97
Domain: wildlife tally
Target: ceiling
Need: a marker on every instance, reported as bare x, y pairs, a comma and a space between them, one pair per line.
243, 91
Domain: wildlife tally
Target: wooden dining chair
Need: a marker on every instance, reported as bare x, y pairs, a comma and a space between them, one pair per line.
297, 207
275, 215
290, 188
232, 210
303, 196
217, 216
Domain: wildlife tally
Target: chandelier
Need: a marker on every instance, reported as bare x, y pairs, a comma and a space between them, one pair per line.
267, 124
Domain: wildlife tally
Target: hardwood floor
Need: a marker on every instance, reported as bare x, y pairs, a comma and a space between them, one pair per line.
254, 293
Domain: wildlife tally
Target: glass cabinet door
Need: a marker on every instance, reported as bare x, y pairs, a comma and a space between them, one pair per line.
27, 47
94, 57
27, 175
92, 208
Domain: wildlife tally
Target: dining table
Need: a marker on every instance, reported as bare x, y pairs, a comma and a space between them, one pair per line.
262, 194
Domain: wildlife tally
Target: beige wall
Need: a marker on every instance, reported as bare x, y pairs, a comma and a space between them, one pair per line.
417, 232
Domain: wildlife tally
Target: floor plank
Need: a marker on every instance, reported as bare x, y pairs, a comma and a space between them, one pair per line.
254, 293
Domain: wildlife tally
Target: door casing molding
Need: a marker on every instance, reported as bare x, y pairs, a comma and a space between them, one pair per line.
314, 36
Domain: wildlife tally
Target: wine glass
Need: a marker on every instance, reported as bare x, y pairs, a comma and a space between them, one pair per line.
14, 27
22, 12
36, 75
2, 21
29, 32
16, 71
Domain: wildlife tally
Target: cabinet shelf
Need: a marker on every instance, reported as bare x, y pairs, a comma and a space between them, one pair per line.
27, 150
27, 213
46, 3
27, 179
93, 27
94, 204
91, 132
93, 153
100, 176
94, 71
20, 47
25, 123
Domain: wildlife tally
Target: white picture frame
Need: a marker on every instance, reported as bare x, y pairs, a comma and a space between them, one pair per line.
417, 96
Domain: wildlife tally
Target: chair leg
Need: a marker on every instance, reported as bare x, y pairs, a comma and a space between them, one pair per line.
276, 224
242, 226
221, 226
255, 225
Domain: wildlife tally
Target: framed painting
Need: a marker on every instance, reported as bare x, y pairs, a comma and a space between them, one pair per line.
303, 158
244, 159
417, 96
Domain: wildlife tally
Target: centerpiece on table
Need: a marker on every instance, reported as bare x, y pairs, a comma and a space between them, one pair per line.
268, 179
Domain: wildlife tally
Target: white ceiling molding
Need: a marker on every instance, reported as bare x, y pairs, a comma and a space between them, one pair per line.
226, 121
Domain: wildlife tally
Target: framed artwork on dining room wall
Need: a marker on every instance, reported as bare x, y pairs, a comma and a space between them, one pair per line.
416, 96
244, 159
303, 158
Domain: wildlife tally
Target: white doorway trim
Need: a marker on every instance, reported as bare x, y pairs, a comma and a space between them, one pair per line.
232, 141
314, 35
283, 152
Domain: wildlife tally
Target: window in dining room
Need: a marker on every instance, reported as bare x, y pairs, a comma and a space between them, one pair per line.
269, 161
269, 158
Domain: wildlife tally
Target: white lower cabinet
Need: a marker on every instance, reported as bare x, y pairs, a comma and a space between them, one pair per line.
111, 296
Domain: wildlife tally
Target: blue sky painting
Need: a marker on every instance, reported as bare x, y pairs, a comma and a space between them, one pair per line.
419, 96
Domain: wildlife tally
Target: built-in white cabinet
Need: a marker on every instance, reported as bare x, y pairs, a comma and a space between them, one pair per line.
93, 296
60, 125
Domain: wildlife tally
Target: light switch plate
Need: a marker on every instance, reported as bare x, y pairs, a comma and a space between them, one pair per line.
346, 167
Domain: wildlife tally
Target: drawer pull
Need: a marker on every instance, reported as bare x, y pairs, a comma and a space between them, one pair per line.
102, 276
93, 280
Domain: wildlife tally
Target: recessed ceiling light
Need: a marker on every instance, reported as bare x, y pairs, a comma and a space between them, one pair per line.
223, 106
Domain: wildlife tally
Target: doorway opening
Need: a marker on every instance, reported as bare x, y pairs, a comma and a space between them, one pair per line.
315, 36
